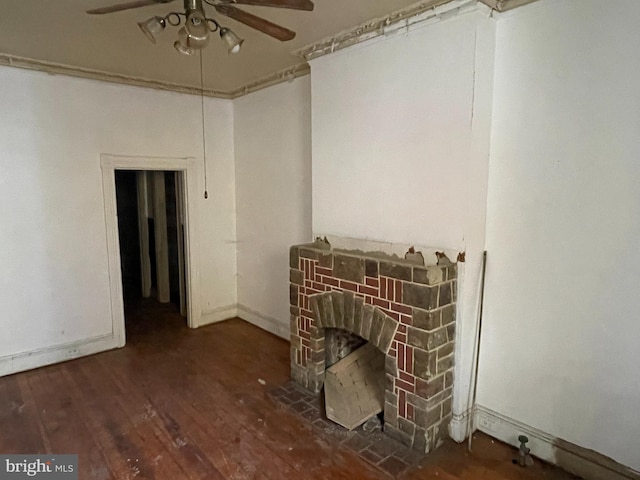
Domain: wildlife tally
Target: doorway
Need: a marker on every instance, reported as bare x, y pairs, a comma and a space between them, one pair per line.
150, 212
168, 280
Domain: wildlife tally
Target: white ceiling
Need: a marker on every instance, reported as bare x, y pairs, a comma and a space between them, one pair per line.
61, 32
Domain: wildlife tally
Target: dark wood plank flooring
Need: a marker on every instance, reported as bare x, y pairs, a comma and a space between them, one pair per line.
177, 403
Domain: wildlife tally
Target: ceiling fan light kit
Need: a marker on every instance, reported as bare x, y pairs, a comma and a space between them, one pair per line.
196, 27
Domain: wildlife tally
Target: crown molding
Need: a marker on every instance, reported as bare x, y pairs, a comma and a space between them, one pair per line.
71, 71
286, 75
504, 5
418, 13
378, 27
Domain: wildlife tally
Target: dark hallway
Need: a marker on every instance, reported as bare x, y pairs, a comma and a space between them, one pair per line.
136, 224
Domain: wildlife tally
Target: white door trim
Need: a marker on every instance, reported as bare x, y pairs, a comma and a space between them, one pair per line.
188, 166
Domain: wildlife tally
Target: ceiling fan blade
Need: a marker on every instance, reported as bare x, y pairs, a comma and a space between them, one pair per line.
293, 4
125, 6
253, 21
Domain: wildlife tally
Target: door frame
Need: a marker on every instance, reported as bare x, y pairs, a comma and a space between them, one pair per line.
188, 166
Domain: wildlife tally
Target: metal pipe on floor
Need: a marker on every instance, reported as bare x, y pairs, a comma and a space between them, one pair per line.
472, 410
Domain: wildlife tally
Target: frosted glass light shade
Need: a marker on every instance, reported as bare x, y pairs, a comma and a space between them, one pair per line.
233, 41
152, 27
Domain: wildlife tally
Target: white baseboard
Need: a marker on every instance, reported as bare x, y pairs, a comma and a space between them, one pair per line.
580, 461
218, 315
270, 324
58, 353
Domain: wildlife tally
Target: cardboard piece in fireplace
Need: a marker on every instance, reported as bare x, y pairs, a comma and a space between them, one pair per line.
354, 387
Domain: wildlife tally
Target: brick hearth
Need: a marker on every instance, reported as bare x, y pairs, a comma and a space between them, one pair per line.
406, 310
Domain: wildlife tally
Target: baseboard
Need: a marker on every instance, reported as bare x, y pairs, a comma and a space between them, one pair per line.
218, 315
58, 353
265, 322
578, 460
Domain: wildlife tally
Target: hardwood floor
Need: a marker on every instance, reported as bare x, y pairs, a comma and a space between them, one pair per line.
177, 403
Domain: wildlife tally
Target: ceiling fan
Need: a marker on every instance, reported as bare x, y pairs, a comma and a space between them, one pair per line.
194, 35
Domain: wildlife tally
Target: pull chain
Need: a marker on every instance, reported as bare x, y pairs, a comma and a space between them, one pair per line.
204, 142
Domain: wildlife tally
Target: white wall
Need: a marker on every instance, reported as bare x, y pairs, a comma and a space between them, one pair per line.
54, 287
273, 192
391, 136
401, 130
560, 337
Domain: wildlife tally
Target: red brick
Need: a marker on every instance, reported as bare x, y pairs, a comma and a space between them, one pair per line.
312, 269
399, 307
318, 286
401, 349
403, 376
394, 345
398, 291
390, 289
368, 290
368, 300
381, 303
410, 412
406, 319
305, 342
402, 403
409, 366
349, 285
393, 315
402, 328
330, 281
324, 271
401, 337
304, 334
383, 287
405, 385
306, 313
372, 282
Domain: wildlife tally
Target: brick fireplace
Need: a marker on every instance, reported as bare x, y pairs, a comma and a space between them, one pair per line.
404, 308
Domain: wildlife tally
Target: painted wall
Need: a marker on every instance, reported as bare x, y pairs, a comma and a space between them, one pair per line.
54, 287
388, 153
401, 128
560, 337
272, 131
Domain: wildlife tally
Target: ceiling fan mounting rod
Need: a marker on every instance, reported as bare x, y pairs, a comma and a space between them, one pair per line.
190, 5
